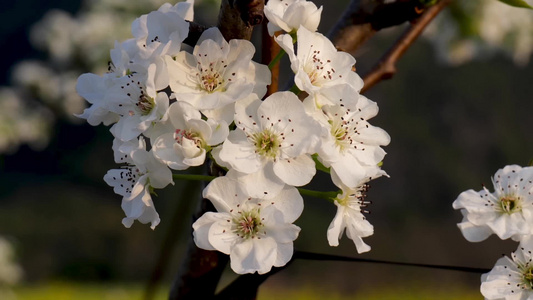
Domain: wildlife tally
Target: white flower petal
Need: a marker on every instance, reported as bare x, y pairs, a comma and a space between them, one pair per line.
296, 171
201, 230
220, 235
263, 183
473, 233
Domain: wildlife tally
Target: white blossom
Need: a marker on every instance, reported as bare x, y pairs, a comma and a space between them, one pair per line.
135, 99
507, 212
256, 233
317, 63
511, 278
350, 146
272, 144
191, 138
350, 204
161, 32
216, 74
135, 181
93, 88
289, 15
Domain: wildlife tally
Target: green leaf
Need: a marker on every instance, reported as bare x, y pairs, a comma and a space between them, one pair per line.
517, 3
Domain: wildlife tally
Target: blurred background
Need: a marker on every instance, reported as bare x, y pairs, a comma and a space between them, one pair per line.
459, 108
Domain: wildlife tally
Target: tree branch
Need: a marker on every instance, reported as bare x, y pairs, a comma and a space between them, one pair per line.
195, 31
191, 190
363, 18
386, 67
201, 269
237, 18
245, 286
269, 50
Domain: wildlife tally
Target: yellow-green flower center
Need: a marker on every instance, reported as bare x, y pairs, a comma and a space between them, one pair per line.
510, 204
267, 143
211, 82
339, 130
145, 104
527, 275
248, 224
180, 134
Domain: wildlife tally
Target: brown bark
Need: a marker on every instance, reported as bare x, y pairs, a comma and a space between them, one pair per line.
200, 272
195, 31
386, 67
363, 18
269, 50
230, 21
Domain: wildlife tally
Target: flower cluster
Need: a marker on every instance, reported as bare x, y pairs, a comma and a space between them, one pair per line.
171, 109
508, 213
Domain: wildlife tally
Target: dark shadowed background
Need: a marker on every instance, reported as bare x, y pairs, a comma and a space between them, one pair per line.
451, 129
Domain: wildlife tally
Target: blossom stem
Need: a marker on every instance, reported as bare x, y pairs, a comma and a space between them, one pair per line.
318, 165
295, 90
193, 177
276, 59
330, 196
317, 194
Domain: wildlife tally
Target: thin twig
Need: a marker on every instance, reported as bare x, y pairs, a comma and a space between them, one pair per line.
386, 67
363, 18
318, 256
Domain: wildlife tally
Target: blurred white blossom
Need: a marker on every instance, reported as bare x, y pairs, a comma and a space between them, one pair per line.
476, 29
43, 90
22, 122
10, 271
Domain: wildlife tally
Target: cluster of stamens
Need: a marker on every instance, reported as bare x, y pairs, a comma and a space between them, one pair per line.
343, 130
210, 76
506, 199
248, 224
357, 199
110, 67
267, 143
319, 70
180, 134
143, 102
523, 273
510, 204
